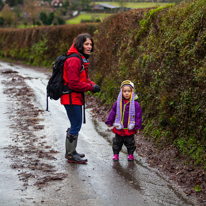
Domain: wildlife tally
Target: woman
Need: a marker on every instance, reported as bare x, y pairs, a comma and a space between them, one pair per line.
79, 82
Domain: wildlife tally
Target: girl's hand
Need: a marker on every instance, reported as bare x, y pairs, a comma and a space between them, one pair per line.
138, 131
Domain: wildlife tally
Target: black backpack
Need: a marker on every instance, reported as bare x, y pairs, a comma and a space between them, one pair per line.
55, 87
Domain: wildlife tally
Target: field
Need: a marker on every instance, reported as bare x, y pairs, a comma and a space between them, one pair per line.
101, 16
87, 16
136, 5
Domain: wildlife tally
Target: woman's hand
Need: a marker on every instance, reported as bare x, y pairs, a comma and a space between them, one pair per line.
96, 88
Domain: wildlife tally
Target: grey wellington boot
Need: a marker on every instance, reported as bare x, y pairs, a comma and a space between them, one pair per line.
68, 145
71, 154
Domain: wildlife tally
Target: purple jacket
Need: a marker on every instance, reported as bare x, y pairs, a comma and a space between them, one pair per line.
138, 115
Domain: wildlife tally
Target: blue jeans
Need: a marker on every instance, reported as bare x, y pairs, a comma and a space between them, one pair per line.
75, 118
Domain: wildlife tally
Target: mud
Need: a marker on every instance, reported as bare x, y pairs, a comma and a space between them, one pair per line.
28, 152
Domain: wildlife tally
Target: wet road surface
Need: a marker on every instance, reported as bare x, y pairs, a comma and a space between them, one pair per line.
100, 182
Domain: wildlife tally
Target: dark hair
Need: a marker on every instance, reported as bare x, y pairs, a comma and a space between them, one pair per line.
79, 41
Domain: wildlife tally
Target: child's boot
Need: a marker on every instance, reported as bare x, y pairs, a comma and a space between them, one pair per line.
130, 157
116, 157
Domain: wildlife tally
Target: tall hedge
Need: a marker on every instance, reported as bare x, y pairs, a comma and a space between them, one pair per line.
163, 50
40, 45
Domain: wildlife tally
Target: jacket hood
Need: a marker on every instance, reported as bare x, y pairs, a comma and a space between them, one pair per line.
72, 50
119, 122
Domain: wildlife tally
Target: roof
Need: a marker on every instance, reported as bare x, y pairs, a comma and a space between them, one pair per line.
57, 2
108, 5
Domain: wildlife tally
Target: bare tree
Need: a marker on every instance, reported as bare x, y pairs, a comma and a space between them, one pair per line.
33, 9
1, 5
18, 10
122, 3
85, 4
8, 15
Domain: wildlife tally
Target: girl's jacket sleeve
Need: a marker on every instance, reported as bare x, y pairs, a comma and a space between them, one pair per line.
138, 116
112, 114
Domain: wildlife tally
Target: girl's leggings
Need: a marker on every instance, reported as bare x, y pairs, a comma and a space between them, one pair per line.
75, 118
128, 141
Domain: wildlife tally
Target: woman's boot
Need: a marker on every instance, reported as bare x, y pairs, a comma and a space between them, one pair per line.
71, 154
70, 143
80, 154
75, 158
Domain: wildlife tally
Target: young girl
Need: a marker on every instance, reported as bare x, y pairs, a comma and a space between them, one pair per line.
126, 114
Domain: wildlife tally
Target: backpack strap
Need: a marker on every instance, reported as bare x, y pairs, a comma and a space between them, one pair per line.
84, 120
47, 102
78, 56
66, 89
70, 96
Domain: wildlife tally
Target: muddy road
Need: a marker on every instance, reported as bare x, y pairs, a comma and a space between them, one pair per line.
34, 170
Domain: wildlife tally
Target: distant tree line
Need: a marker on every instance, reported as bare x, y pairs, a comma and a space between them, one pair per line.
49, 19
30, 12
13, 3
128, 0
1, 5
33, 12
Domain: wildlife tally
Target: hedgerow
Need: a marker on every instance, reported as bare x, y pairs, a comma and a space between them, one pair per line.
40, 45
162, 50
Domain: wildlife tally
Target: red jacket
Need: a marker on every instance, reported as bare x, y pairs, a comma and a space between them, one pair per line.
77, 80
